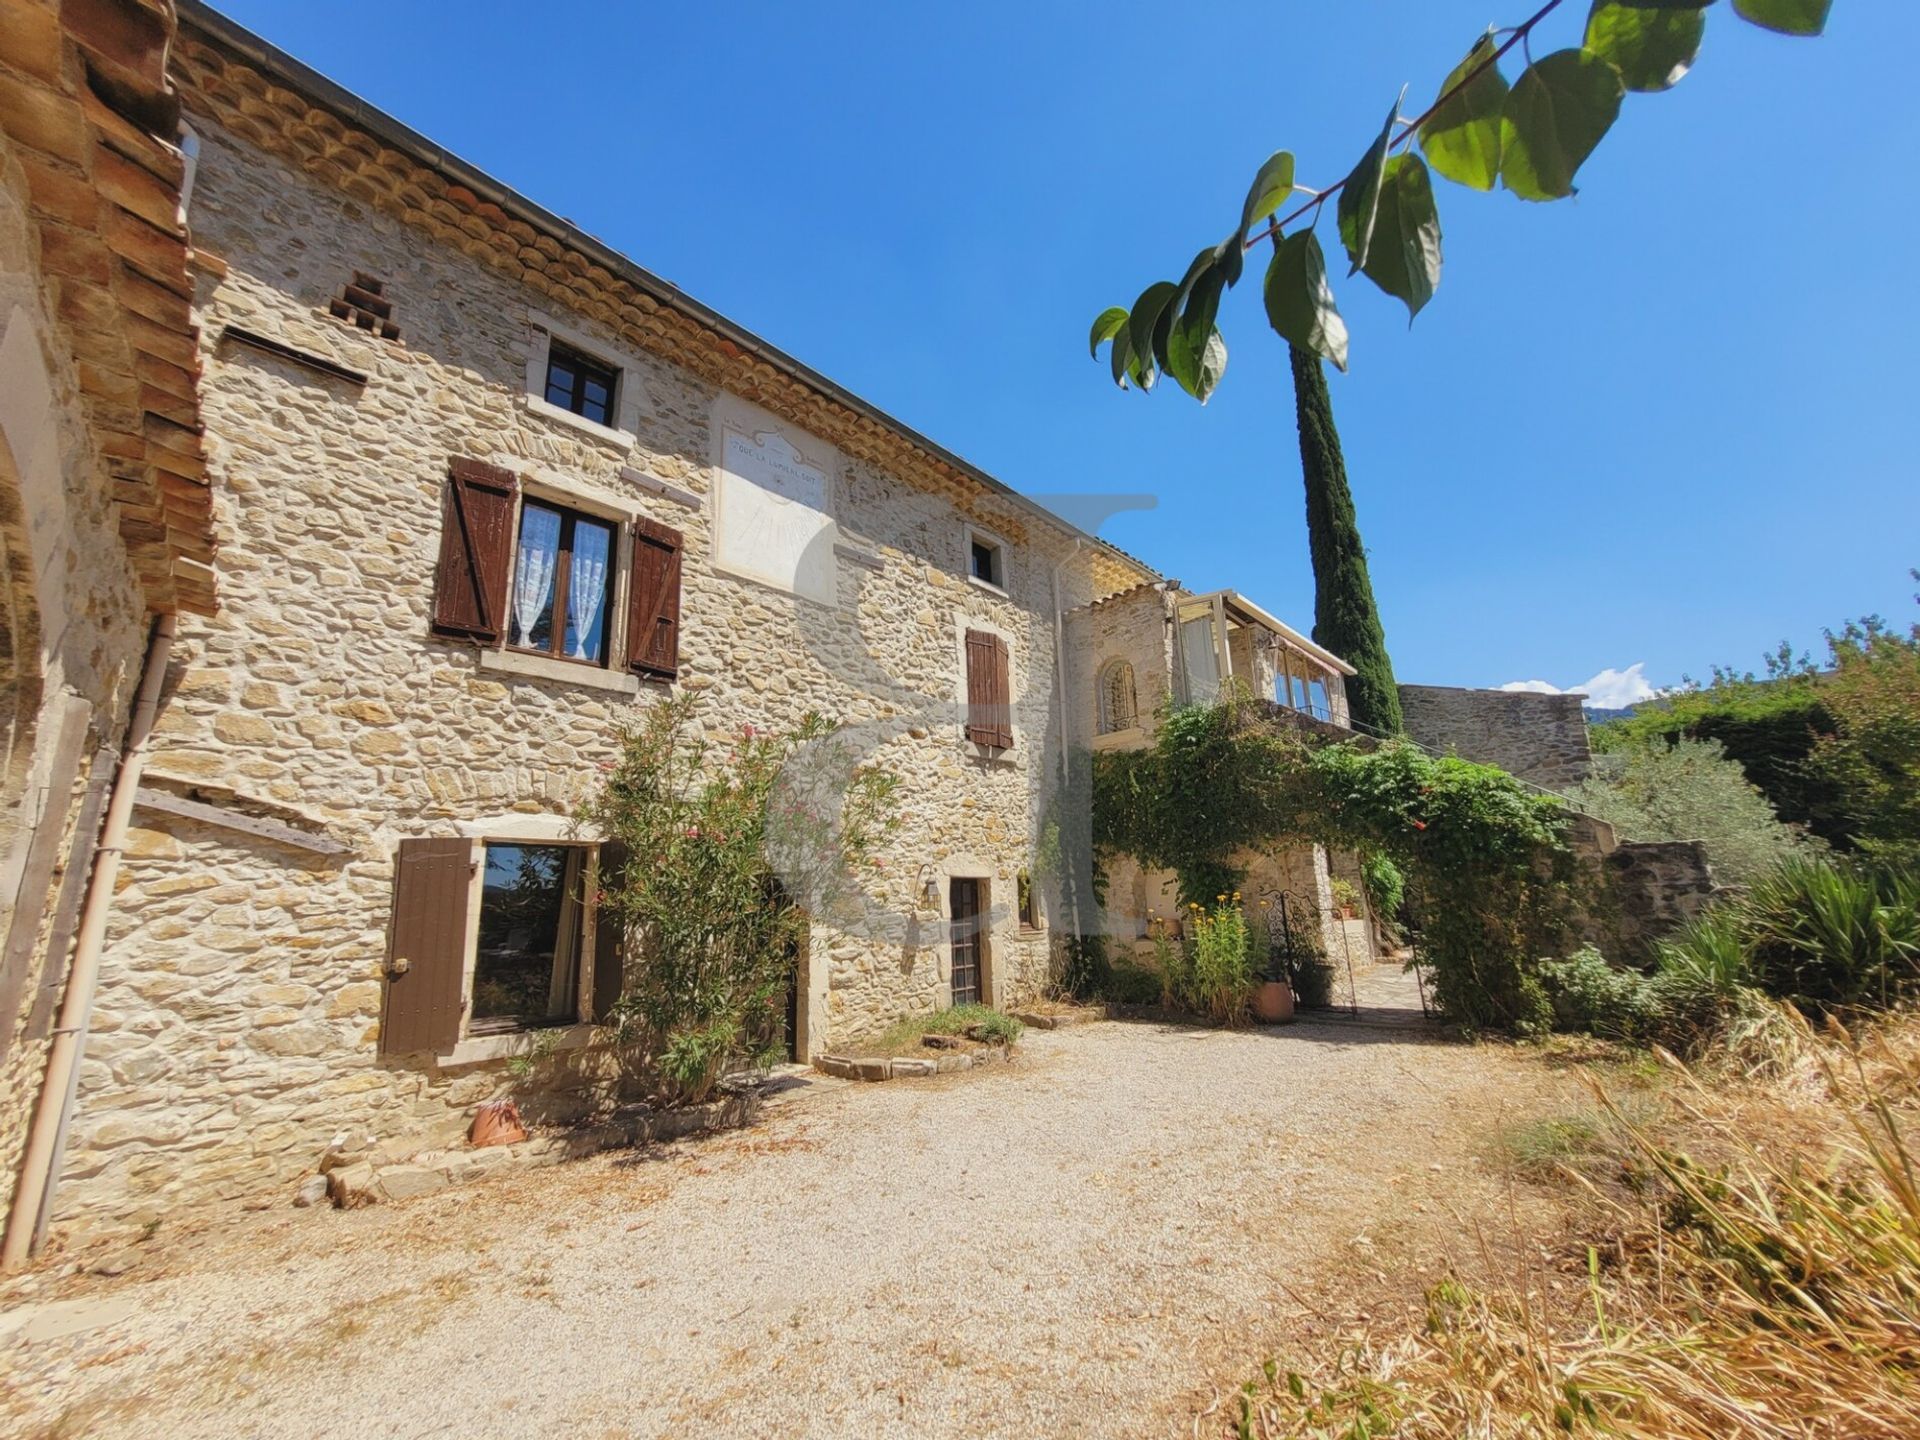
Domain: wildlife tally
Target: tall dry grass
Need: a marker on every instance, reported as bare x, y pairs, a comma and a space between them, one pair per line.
1753, 1271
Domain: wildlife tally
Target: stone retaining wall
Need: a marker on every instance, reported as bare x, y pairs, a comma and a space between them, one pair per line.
1540, 738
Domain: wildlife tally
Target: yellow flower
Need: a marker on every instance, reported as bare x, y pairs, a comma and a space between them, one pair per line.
1220, 897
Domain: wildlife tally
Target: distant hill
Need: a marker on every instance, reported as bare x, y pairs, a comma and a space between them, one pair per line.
1596, 714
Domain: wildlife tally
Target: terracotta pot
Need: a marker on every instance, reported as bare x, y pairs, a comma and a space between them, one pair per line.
1346, 912
1273, 1002
496, 1123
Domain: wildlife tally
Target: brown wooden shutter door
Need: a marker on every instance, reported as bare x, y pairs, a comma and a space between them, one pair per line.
653, 601
431, 883
1000, 695
988, 717
476, 551
609, 947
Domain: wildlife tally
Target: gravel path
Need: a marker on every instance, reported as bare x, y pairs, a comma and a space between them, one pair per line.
1073, 1245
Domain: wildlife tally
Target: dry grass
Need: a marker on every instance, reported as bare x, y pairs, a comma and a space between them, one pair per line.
1751, 1252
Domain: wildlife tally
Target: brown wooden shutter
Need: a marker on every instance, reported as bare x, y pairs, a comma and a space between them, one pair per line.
476, 551
609, 937
989, 710
653, 601
427, 946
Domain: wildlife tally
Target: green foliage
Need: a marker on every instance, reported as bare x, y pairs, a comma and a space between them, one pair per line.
1834, 747
1690, 790
1560, 109
1345, 618
1126, 983
1220, 971
726, 845
1299, 301
1311, 976
1652, 49
1386, 886
1823, 935
1870, 758
979, 1022
1681, 1005
1461, 139
1533, 136
1482, 856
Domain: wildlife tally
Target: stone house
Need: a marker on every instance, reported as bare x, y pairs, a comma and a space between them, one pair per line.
104, 511
1157, 643
483, 489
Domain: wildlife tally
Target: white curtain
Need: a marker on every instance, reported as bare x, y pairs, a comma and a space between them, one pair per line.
533, 578
586, 582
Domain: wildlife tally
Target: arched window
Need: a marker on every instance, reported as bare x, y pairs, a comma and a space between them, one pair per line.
1117, 708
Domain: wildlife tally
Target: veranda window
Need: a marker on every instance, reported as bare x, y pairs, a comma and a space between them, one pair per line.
561, 584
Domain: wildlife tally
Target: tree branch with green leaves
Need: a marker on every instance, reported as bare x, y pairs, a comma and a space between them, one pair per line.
1531, 136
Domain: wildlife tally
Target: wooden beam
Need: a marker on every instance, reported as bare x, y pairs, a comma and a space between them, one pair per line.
168, 803
268, 345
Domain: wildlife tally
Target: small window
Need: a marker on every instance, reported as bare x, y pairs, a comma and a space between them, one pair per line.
527, 964
583, 385
1118, 709
562, 584
986, 560
1029, 901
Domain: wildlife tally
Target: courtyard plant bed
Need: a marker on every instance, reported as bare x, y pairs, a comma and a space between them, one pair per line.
940, 1043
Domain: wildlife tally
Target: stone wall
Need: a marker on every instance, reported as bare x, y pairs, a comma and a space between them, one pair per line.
242, 987
72, 632
1135, 627
1540, 738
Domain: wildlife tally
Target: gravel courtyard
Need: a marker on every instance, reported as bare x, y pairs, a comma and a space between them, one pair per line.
1079, 1244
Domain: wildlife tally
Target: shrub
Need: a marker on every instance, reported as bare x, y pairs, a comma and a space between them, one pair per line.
1311, 977
1386, 886
1823, 935
1220, 957
709, 925
1128, 983
1690, 790
1592, 996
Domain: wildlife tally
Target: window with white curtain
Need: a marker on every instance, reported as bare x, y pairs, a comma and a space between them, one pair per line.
562, 584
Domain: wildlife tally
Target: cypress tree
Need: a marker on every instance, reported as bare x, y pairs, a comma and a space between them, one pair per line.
1345, 619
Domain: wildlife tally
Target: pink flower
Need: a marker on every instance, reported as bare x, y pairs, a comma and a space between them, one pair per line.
1419, 824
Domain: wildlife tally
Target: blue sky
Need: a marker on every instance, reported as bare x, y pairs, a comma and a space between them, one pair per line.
1666, 423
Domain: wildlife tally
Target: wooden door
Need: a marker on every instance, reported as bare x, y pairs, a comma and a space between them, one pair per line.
967, 939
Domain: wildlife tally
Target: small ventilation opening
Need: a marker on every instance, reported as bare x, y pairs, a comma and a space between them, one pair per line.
364, 303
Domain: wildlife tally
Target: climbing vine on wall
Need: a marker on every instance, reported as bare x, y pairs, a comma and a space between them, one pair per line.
1486, 868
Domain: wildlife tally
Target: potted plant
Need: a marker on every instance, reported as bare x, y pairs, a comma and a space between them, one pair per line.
1345, 898
1273, 1001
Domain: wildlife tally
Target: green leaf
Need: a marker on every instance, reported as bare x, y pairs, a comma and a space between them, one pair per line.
1190, 345
1146, 335
1270, 189
1404, 259
1121, 358
1789, 17
1360, 194
1300, 302
1651, 49
1559, 110
1462, 137
1105, 328
1231, 256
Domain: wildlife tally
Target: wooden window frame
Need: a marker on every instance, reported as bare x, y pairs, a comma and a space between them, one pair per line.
563, 579
584, 367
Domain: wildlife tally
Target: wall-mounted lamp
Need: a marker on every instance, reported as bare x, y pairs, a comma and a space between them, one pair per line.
927, 889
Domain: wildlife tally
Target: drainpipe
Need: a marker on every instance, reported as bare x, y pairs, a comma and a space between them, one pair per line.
47, 1140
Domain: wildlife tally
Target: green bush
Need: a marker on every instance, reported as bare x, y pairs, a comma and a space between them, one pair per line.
1690, 790
1386, 886
1220, 954
1311, 977
1682, 1007
1128, 983
1823, 935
